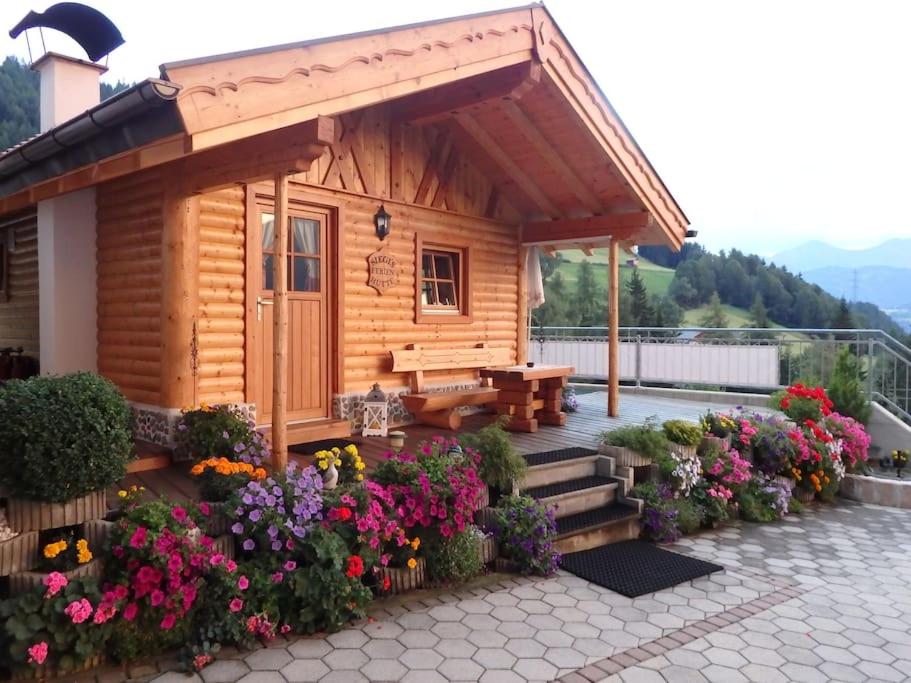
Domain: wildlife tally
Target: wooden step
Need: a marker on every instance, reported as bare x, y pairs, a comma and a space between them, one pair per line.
594, 528
552, 473
315, 430
577, 495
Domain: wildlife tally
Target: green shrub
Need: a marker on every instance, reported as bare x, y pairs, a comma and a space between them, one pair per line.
526, 529
683, 432
501, 465
845, 387
645, 439
689, 517
219, 431
454, 559
62, 437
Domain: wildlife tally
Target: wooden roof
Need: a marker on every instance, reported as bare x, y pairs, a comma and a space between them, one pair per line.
505, 85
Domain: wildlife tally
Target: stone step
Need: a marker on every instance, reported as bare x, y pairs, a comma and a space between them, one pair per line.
577, 495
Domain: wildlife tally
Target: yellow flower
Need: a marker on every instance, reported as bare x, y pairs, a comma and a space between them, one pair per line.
359, 477
83, 554
52, 550
412, 563
351, 449
415, 543
338, 462
121, 493
323, 464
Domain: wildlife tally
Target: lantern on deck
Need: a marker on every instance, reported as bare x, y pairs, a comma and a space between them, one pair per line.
376, 413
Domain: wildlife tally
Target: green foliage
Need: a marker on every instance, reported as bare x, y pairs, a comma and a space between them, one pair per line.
325, 596
501, 464
843, 319
217, 431
645, 439
62, 437
715, 316
758, 312
641, 309
689, 516
845, 387
683, 432
589, 296
31, 618
454, 559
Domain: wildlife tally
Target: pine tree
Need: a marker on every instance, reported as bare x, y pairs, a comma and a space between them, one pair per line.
845, 387
758, 312
555, 311
715, 316
588, 297
642, 312
843, 318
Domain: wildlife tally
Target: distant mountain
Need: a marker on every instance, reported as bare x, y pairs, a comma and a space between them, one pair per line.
885, 286
813, 255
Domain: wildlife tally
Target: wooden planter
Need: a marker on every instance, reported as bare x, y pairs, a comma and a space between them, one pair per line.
402, 580
217, 523
19, 554
32, 515
96, 532
686, 451
803, 495
43, 673
224, 544
624, 457
484, 517
25, 582
484, 498
505, 566
489, 549
723, 442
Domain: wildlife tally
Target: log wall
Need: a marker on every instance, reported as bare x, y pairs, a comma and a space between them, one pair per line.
220, 323
19, 311
129, 284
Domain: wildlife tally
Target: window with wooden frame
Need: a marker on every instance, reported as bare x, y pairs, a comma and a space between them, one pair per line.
443, 293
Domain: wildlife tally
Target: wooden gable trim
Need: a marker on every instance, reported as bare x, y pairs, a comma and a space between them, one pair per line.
588, 231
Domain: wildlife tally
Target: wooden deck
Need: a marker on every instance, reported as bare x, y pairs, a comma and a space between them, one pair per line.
581, 429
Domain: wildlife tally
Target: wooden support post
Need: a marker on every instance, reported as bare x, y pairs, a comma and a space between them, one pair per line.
179, 300
280, 327
522, 336
613, 331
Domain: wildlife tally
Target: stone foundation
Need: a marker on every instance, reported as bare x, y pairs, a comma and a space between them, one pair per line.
351, 406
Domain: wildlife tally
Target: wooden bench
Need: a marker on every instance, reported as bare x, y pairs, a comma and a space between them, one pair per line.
441, 408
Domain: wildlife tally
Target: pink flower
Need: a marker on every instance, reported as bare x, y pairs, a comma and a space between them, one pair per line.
243, 583
290, 566
216, 559
129, 613
204, 509
278, 577
179, 514
236, 605
231, 566
156, 598
285, 628
138, 539
79, 610
37, 653
168, 622
55, 581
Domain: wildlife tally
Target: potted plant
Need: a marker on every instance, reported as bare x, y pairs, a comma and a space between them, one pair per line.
686, 435
899, 461
66, 553
63, 441
525, 529
501, 466
404, 570
718, 427
635, 445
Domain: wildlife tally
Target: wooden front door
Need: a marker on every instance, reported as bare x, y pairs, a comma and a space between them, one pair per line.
307, 233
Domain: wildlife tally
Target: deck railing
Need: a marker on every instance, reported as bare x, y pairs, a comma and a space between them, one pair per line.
747, 359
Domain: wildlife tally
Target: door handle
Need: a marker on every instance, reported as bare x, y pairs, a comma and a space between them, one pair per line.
260, 302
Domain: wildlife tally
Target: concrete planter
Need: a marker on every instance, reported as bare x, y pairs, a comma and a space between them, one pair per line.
19, 554
32, 515
894, 493
625, 457
25, 582
402, 580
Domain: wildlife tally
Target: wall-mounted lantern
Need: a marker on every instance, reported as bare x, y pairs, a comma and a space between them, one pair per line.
383, 222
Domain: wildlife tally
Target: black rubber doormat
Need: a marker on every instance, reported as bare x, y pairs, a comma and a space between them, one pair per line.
634, 568
561, 455
313, 447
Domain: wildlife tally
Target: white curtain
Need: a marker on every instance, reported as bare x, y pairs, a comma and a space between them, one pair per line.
535, 280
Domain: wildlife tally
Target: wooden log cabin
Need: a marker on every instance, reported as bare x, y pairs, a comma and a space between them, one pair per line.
157, 263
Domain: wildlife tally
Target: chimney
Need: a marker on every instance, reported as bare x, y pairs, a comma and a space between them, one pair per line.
69, 86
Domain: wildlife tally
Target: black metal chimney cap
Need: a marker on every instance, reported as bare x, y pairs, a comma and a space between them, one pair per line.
86, 25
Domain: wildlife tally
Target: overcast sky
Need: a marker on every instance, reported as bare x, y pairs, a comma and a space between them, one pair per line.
772, 122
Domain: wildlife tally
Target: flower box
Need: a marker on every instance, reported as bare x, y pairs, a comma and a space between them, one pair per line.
402, 580
33, 515
96, 533
489, 549
218, 522
24, 582
803, 495
19, 553
506, 566
484, 498
686, 451
484, 518
723, 442
624, 457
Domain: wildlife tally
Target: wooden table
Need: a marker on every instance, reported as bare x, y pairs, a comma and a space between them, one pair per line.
530, 395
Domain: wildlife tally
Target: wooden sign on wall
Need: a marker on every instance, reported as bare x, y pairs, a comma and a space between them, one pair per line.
383, 271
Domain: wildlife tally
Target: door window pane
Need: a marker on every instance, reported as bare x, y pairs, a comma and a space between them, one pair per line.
306, 274
268, 272
305, 232
268, 231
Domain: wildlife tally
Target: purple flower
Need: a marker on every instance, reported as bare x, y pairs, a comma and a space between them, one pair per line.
249, 544
237, 528
255, 514
276, 545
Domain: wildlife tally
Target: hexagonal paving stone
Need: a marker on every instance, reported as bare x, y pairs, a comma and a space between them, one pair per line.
262, 677
565, 658
536, 669
509, 613
305, 670
224, 671
347, 660
421, 658
501, 677
268, 659
309, 648
451, 629
487, 638
803, 673
383, 629
348, 638
382, 649
446, 613
423, 677
461, 670
384, 670
514, 629
455, 648
481, 622
494, 658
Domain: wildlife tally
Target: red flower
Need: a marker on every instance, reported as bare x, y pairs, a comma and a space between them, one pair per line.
386, 583
355, 567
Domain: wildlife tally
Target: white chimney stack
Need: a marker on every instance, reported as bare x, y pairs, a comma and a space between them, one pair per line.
69, 86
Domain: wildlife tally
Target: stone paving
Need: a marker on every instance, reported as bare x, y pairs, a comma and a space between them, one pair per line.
824, 596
